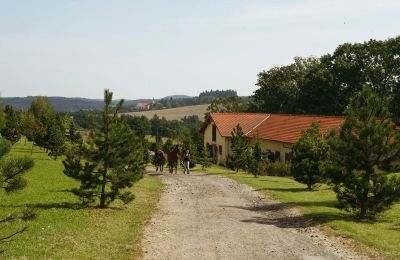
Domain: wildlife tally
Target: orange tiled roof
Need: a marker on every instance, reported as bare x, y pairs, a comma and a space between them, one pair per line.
287, 128
276, 127
226, 122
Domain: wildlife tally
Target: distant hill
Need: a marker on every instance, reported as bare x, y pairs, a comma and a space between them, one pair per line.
64, 104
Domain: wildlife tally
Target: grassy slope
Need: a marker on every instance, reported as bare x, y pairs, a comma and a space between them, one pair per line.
383, 234
174, 113
63, 229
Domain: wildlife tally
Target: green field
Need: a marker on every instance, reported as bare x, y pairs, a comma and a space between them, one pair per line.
174, 113
382, 234
63, 229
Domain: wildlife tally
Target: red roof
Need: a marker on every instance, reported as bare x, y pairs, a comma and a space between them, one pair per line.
276, 127
142, 104
288, 128
226, 122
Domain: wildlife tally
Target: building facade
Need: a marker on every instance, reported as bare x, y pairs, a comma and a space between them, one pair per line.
275, 132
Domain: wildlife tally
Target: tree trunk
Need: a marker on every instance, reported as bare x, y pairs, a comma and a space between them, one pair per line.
103, 190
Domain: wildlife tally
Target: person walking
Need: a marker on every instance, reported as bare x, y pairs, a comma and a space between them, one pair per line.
186, 162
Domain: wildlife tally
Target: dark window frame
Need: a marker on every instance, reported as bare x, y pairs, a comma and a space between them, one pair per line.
214, 133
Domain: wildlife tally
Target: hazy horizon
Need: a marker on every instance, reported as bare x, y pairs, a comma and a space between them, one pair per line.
156, 49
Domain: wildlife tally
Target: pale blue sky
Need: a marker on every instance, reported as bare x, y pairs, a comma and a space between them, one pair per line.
156, 48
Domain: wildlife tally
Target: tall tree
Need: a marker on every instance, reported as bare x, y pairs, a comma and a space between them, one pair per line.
308, 156
41, 107
113, 159
365, 145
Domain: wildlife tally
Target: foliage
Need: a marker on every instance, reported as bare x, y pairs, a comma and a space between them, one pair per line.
229, 104
325, 85
168, 145
11, 179
239, 146
366, 143
55, 137
62, 217
11, 129
255, 159
308, 156
113, 155
41, 108
2, 116
204, 159
74, 136
275, 168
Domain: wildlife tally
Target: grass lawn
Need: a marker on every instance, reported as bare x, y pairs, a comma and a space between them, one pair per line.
63, 229
383, 234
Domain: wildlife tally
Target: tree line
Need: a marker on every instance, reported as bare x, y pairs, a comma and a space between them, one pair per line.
326, 84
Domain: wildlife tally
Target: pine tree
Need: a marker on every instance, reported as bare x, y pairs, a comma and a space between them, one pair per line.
11, 129
255, 158
308, 156
239, 146
113, 159
204, 159
366, 143
55, 138
11, 179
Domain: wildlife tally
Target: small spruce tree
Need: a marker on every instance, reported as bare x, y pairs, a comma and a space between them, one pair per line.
255, 159
239, 146
308, 156
111, 161
55, 138
204, 159
366, 143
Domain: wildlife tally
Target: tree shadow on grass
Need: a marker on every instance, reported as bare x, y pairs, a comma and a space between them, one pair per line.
284, 189
61, 205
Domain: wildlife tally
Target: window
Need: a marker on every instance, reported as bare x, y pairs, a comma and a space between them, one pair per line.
277, 156
220, 149
214, 133
287, 158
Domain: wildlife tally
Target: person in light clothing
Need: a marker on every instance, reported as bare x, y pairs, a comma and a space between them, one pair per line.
186, 162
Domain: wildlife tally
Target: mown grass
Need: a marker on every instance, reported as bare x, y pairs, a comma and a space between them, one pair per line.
63, 229
383, 234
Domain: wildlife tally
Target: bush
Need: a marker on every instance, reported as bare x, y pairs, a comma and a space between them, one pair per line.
274, 169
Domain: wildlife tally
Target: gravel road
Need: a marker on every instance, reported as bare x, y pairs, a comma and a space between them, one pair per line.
213, 217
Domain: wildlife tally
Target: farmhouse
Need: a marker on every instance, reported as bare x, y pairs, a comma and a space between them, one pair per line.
276, 132
143, 106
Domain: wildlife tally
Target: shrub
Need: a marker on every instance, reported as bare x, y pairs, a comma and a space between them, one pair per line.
274, 169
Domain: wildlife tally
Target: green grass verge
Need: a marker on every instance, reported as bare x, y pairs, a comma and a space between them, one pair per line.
63, 229
382, 234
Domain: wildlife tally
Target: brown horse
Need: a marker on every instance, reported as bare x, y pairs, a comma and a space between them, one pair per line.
173, 159
159, 160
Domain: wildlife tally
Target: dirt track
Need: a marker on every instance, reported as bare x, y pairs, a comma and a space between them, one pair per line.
213, 217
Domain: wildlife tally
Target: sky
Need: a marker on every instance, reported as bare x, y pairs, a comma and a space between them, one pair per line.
146, 49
